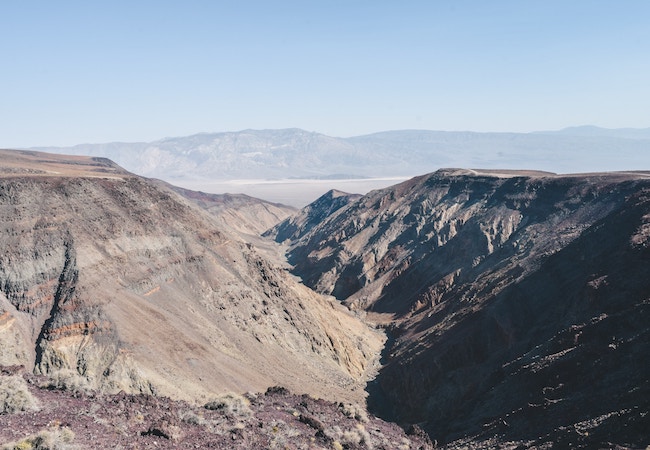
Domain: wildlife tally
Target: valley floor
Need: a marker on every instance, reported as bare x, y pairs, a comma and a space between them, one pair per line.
297, 193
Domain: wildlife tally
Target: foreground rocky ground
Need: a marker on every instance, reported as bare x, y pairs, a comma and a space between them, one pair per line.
35, 413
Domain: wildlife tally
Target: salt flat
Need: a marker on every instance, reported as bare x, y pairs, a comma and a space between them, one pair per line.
293, 192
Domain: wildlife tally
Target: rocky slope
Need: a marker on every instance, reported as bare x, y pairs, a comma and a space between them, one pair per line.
298, 224
46, 417
517, 303
239, 212
112, 282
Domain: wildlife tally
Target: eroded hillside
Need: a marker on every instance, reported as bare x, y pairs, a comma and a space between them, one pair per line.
238, 212
297, 225
113, 282
517, 303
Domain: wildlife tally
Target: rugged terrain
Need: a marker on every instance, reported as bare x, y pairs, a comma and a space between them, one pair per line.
136, 314
113, 282
38, 415
297, 225
517, 303
238, 212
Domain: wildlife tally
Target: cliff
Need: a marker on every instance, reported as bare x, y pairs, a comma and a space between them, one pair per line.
114, 282
516, 303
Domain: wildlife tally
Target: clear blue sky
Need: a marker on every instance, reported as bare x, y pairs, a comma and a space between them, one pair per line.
98, 71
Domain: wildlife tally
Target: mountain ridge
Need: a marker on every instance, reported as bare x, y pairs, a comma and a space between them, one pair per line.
504, 296
296, 153
115, 282
591, 130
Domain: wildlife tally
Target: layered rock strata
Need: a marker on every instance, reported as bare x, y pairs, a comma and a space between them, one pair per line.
517, 303
120, 284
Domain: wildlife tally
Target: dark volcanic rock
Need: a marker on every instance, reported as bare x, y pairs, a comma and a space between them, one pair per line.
521, 303
276, 419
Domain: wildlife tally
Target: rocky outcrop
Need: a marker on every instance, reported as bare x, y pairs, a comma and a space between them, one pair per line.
515, 302
297, 225
273, 419
116, 283
238, 212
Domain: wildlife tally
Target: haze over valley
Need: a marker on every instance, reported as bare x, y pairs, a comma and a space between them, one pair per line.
295, 167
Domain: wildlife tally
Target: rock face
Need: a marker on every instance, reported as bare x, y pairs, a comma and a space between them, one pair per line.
111, 281
297, 225
517, 303
238, 212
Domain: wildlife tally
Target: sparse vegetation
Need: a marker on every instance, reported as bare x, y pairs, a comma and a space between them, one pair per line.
275, 420
67, 380
192, 418
354, 411
356, 437
56, 438
230, 403
15, 396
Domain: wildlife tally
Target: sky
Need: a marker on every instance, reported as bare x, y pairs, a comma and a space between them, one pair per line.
100, 71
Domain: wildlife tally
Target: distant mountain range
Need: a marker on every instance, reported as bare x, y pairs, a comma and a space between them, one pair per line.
296, 153
592, 131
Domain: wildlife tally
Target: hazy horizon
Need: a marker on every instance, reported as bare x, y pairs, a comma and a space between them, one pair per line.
293, 166
589, 130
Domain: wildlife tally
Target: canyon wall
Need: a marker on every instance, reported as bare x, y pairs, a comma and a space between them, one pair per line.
516, 303
117, 283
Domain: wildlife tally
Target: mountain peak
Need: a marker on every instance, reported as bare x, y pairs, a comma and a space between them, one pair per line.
316, 212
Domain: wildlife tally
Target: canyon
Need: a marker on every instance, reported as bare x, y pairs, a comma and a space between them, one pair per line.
120, 283
474, 308
516, 303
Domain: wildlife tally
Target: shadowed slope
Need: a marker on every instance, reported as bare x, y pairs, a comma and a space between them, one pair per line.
519, 301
